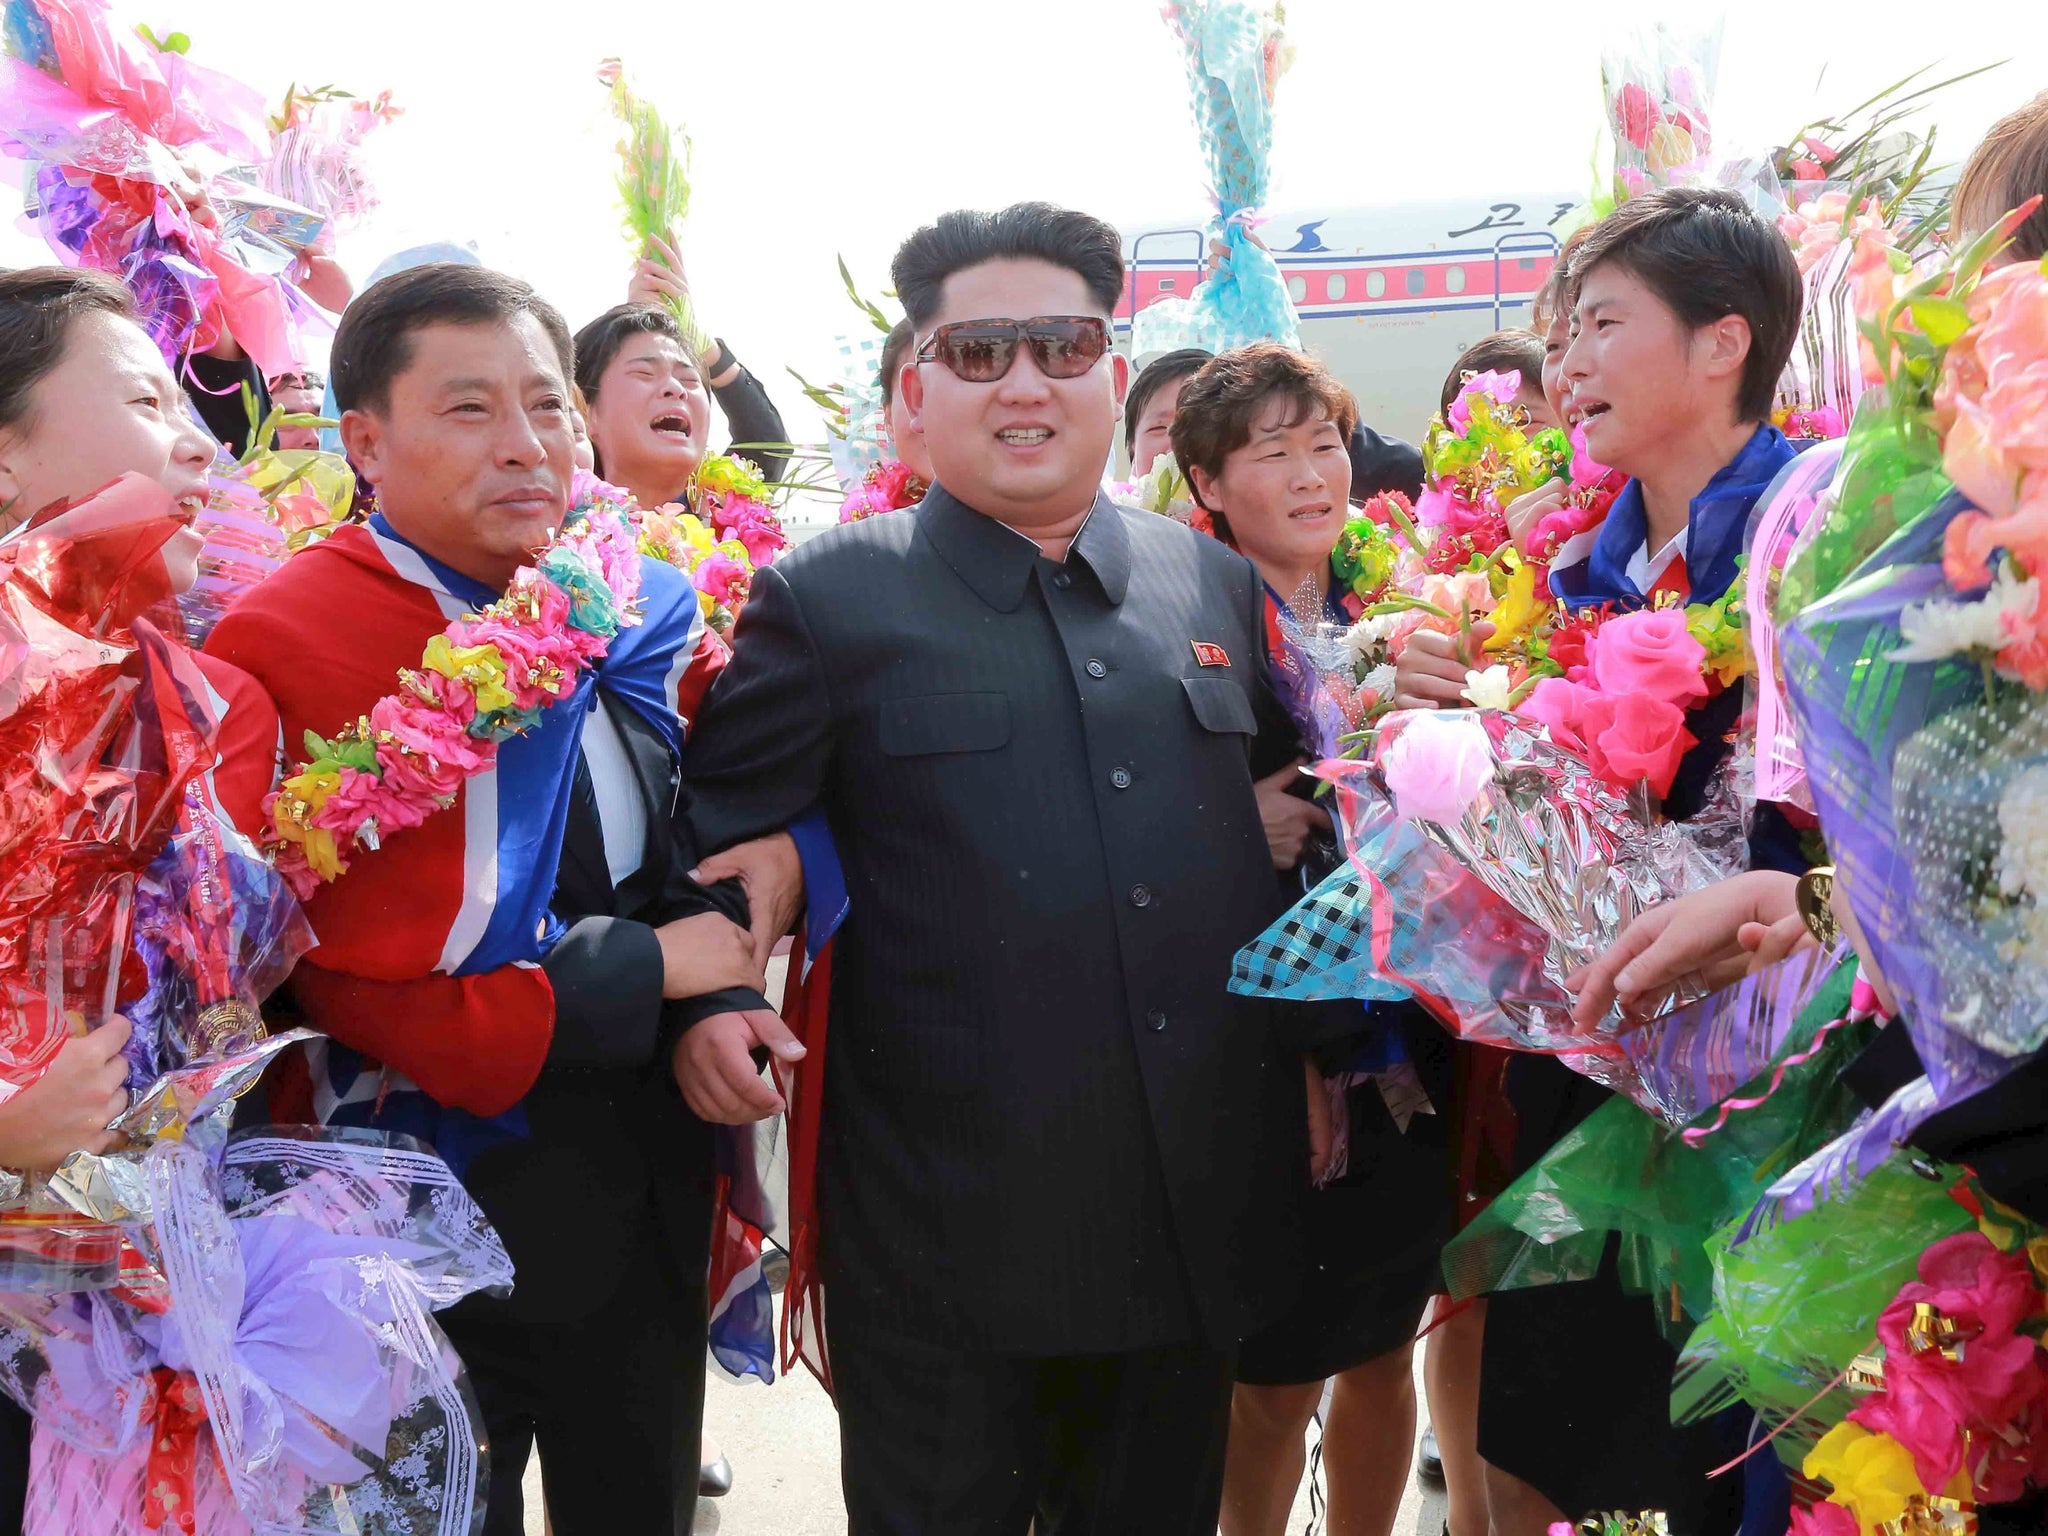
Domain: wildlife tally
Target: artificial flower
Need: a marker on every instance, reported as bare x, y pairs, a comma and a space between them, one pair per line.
1941, 628
1824, 1519
1869, 1475
1633, 736
1436, 766
1560, 706
480, 668
1650, 652
1934, 1405
1489, 689
1717, 626
1517, 611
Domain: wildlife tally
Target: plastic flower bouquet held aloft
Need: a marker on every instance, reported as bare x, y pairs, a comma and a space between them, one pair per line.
1487, 865
146, 165
653, 182
1236, 51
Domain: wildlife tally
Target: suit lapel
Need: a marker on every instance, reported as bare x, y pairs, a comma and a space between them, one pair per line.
655, 774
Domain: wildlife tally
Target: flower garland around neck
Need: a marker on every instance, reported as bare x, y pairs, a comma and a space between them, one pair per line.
481, 681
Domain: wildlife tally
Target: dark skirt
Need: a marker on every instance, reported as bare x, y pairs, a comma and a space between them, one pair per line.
1374, 1241
1575, 1380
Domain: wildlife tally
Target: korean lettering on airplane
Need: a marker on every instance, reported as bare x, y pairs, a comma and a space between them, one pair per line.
1503, 216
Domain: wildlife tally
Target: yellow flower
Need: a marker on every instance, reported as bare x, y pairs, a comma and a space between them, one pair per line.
322, 856
480, 666
1872, 1475
300, 797
1517, 611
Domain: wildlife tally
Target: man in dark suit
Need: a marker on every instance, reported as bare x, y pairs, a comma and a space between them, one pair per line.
1056, 1152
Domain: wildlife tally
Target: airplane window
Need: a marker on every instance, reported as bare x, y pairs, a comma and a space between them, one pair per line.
1417, 280
1375, 285
1454, 280
1526, 263
1333, 288
1167, 285
1297, 289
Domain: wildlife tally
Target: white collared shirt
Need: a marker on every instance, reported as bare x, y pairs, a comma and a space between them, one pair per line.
1646, 570
620, 811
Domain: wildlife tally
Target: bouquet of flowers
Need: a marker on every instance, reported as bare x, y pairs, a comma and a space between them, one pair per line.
316, 155
887, 487
1890, 1337
653, 181
160, 1300
1659, 90
1236, 51
148, 166
1487, 865
727, 532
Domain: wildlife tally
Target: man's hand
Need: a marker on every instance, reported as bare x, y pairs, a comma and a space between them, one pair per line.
1530, 508
1322, 1136
68, 1108
1698, 936
706, 953
772, 875
714, 1066
1289, 820
1432, 668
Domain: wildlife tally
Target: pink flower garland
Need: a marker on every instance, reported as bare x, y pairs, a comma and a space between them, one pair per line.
481, 681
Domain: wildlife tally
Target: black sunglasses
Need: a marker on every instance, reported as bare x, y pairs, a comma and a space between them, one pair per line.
981, 351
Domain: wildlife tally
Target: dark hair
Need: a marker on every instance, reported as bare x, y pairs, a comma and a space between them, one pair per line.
37, 306
2007, 168
1222, 403
1706, 256
373, 345
599, 342
965, 238
901, 335
1515, 351
1154, 377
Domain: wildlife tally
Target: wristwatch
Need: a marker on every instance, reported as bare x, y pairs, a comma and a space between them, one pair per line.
1816, 903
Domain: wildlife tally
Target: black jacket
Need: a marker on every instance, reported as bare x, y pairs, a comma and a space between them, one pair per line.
1049, 1129
750, 414
608, 1137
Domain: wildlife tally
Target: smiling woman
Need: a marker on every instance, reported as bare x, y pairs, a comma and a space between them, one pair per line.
86, 398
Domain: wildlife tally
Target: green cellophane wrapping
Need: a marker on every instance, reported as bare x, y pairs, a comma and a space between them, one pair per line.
1890, 477
1797, 1301
1623, 1171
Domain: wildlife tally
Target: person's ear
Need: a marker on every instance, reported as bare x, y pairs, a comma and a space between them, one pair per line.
1203, 484
1727, 342
1120, 373
363, 439
910, 385
12, 477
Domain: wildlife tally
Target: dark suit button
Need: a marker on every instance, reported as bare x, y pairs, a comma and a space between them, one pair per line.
1096, 668
1141, 895
1155, 1021
1063, 579
1120, 778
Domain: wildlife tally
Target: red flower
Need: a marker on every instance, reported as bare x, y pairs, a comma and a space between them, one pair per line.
1635, 737
1636, 115
1650, 652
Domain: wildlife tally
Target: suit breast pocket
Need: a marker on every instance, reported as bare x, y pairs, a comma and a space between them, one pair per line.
940, 723
1220, 705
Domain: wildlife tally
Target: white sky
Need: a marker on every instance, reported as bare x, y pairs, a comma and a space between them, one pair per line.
825, 126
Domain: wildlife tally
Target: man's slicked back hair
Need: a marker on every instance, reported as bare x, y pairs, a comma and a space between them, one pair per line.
965, 238
373, 345
1707, 256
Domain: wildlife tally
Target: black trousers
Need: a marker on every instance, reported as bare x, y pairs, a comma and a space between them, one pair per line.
613, 1396
942, 1442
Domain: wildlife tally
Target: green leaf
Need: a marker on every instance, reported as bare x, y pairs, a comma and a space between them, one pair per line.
1943, 320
